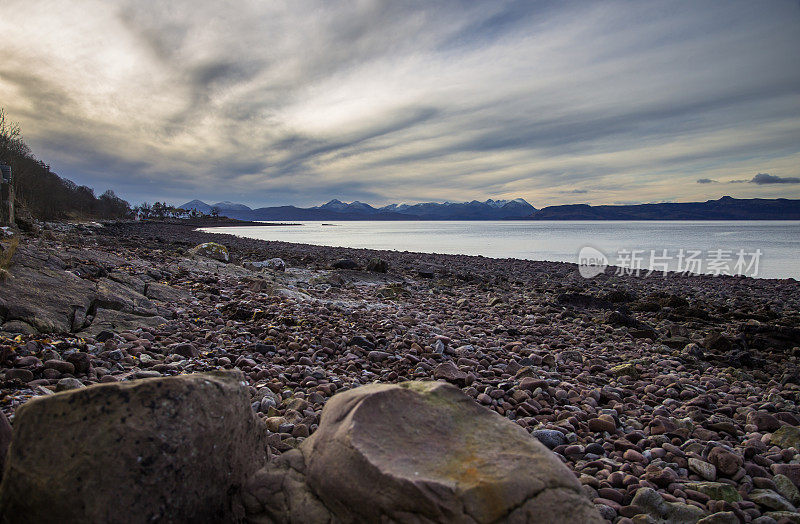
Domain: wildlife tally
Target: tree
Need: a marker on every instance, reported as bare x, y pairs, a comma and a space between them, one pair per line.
11, 143
41, 192
215, 211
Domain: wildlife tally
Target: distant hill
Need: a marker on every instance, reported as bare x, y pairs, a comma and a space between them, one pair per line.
197, 205
338, 210
726, 208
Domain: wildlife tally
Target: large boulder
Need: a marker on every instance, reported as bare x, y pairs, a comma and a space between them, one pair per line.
416, 452
6, 434
211, 250
168, 449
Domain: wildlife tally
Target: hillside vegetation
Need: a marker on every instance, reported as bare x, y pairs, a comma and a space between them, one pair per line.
42, 193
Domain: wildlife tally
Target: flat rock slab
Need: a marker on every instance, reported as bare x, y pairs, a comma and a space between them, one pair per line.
50, 300
417, 452
111, 320
166, 449
166, 293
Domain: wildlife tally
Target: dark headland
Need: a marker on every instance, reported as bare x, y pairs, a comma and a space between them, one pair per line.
670, 399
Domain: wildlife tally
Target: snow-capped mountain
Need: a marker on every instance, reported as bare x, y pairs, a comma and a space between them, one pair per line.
337, 210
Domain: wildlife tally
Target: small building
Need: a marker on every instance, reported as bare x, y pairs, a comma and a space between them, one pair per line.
6, 196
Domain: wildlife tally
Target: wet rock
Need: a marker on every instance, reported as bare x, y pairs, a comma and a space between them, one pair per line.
460, 462
159, 449
211, 250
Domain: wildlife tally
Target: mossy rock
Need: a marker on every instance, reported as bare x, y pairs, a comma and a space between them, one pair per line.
628, 370
787, 437
211, 250
716, 490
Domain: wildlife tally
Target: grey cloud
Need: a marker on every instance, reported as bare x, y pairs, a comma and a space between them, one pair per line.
381, 101
765, 178
706, 181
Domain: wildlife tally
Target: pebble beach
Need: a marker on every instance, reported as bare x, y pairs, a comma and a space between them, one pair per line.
688, 386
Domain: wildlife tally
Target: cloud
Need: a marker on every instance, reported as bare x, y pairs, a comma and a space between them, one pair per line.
706, 181
765, 178
273, 103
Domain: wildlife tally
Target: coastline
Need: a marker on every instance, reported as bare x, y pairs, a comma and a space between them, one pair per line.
623, 377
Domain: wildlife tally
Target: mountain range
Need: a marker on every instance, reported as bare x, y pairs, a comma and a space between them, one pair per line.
338, 210
725, 208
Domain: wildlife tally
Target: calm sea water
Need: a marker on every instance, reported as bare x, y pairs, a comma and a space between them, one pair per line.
655, 244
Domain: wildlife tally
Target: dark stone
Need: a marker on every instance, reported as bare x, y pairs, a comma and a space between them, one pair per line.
345, 263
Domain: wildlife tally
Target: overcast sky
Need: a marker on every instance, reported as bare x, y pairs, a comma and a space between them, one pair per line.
297, 102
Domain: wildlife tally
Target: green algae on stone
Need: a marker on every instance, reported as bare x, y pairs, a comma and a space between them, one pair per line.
628, 369
211, 250
787, 437
716, 490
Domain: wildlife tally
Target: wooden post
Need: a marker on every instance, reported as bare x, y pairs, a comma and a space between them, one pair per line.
6, 197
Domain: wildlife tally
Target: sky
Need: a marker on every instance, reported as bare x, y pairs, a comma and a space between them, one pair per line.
297, 102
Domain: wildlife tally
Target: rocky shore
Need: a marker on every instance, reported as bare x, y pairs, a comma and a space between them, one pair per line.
670, 399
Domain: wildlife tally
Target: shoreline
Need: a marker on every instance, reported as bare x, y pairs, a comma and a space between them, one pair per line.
631, 381
609, 271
